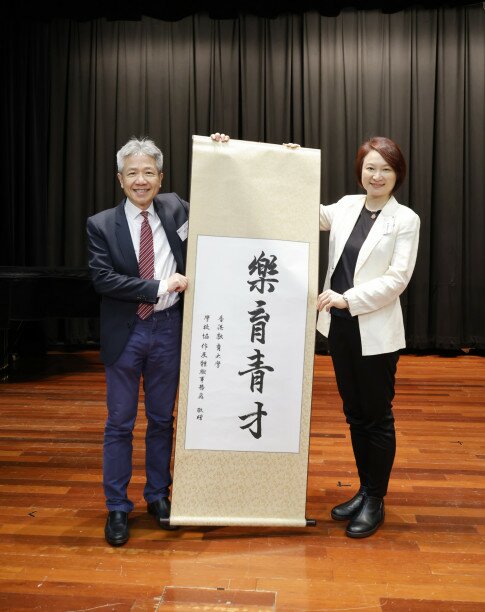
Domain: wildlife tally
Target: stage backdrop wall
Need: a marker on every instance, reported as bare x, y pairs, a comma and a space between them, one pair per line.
243, 420
74, 92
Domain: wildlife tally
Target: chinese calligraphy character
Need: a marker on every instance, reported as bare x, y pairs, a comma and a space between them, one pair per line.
257, 370
264, 267
259, 318
258, 416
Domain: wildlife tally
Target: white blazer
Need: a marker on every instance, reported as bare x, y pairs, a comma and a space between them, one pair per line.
383, 269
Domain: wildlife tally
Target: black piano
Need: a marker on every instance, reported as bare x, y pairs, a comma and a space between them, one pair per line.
36, 293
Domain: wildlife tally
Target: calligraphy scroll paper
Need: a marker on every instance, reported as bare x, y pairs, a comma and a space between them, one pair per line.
248, 337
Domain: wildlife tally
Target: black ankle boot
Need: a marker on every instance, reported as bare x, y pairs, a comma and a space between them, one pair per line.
345, 511
368, 520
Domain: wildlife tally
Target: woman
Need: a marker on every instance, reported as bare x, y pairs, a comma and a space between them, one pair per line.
372, 252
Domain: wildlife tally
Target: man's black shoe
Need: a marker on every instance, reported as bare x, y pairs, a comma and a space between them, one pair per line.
116, 530
347, 510
368, 520
161, 511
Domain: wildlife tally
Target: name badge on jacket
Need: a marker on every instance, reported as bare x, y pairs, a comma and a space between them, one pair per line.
389, 226
183, 231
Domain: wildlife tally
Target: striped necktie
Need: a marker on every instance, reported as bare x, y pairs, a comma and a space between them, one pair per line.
146, 262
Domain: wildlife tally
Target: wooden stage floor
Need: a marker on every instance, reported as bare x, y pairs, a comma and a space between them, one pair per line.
428, 556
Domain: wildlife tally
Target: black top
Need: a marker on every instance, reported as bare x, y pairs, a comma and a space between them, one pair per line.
343, 275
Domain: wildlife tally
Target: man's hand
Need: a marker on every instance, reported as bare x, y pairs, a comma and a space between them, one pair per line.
329, 299
220, 137
177, 283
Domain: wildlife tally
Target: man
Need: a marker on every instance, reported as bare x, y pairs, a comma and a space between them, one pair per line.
137, 261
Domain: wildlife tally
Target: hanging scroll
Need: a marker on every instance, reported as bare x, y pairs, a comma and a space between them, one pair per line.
248, 337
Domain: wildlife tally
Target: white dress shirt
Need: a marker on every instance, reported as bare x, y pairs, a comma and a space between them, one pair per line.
165, 264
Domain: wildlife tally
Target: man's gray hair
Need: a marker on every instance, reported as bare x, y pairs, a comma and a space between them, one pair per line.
145, 146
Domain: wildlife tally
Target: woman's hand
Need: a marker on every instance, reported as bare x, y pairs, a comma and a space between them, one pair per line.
329, 299
220, 137
291, 145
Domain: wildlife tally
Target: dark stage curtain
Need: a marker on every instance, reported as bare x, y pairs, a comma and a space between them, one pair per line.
75, 91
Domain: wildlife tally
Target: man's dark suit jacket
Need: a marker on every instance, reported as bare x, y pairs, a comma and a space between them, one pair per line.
114, 268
